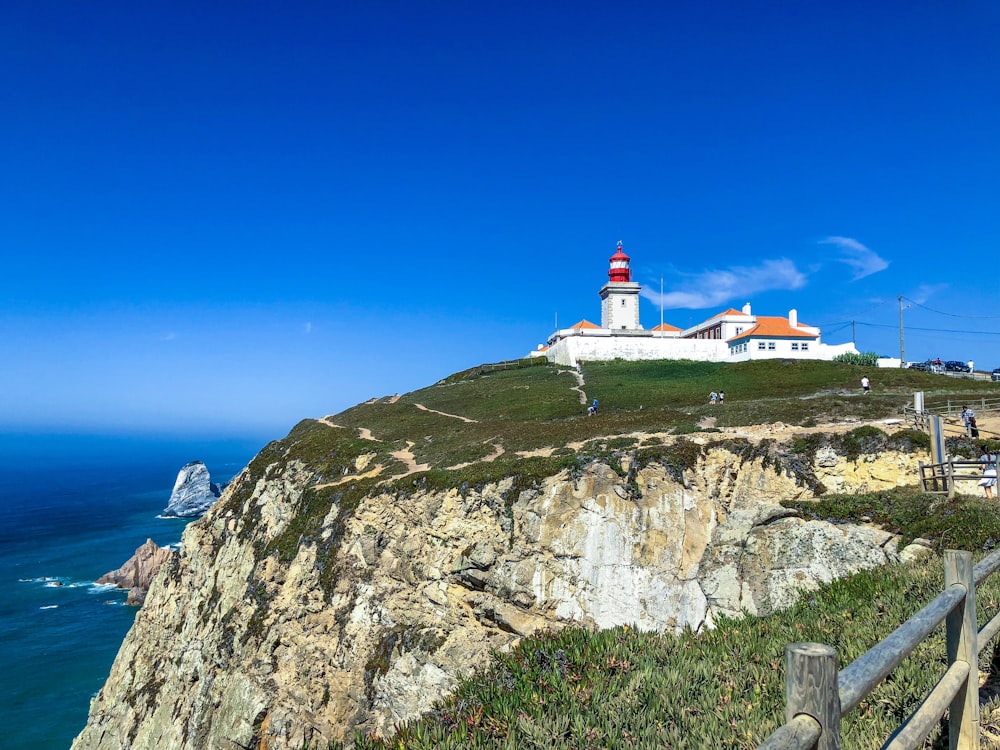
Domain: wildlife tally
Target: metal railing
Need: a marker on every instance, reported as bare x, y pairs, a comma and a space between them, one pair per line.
817, 696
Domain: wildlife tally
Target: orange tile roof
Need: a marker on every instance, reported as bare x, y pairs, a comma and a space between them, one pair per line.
666, 327
774, 327
724, 313
584, 324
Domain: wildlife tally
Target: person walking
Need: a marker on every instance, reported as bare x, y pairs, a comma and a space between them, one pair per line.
713, 397
722, 397
989, 463
865, 384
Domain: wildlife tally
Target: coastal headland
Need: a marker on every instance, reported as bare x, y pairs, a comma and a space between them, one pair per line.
356, 571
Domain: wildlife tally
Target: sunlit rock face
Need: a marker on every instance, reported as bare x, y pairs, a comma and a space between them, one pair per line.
194, 492
137, 573
268, 631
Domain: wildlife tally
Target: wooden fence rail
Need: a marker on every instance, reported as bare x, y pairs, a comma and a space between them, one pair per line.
941, 477
817, 696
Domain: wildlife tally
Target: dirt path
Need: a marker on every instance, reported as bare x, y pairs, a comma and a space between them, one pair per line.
579, 386
363, 432
445, 414
409, 461
374, 472
498, 450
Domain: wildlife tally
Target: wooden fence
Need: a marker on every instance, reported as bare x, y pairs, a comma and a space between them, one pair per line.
817, 696
941, 478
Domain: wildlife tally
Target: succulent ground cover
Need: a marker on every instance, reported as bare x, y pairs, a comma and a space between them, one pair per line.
622, 688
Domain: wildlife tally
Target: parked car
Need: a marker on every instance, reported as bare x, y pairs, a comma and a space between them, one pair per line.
996, 374
919, 366
953, 365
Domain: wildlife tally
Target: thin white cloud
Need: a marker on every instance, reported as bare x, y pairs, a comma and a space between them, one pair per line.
168, 336
712, 288
308, 327
863, 260
924, 292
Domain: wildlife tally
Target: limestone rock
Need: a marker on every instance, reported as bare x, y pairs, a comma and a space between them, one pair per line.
139, 570
193, 493
269, 631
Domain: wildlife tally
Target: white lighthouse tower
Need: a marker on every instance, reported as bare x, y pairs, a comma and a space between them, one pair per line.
620, 296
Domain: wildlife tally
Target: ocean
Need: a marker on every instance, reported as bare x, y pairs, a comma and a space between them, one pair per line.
75, 508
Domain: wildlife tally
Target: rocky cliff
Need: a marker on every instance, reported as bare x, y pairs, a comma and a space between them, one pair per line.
320, 595
137, 573
194, 492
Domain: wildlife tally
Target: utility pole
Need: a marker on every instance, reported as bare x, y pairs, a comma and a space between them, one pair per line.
854, 335
902, 348
661, 306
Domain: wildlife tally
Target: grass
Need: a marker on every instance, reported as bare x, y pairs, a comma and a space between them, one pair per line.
622, 688
535, 407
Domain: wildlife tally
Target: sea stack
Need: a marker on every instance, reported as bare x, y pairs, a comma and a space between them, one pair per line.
194, 492
138, 571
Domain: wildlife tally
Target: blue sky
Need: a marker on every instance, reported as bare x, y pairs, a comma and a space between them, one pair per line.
219, 218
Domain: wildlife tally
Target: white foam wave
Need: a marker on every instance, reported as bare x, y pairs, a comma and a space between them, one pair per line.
50, 606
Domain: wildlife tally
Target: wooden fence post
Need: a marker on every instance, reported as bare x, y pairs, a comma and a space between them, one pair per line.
811, 688
951, 478
962, 632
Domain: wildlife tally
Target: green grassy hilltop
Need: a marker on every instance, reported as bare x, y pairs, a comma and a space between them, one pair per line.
627, 689
534, 404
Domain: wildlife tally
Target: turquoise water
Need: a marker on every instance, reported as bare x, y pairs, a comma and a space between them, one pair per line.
73, 509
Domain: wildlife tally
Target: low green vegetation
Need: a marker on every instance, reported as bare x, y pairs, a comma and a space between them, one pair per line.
622, 688
965, 522
723, 688
864, 359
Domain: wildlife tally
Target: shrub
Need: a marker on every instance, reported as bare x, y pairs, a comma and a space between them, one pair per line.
865, 359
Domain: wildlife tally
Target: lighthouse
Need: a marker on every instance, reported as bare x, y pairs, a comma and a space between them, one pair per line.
620, 296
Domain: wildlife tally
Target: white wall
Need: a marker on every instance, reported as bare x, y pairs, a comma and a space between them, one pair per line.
603, 345
633, 348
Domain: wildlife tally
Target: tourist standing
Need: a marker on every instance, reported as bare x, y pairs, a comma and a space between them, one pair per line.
865, 384
722, 397
713, 397
989, 463
969, 419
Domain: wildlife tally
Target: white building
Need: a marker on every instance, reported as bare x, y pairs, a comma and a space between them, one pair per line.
729, 336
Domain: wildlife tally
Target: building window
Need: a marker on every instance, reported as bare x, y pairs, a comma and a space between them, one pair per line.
770, 345
760, 345
805, 346
795, 346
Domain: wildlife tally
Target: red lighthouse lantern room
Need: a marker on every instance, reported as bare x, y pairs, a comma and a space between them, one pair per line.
619, 271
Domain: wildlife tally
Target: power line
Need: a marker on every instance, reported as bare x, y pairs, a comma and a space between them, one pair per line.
934, 330
953, 315
857, 315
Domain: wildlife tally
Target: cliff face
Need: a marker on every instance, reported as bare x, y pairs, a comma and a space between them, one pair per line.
312, 602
